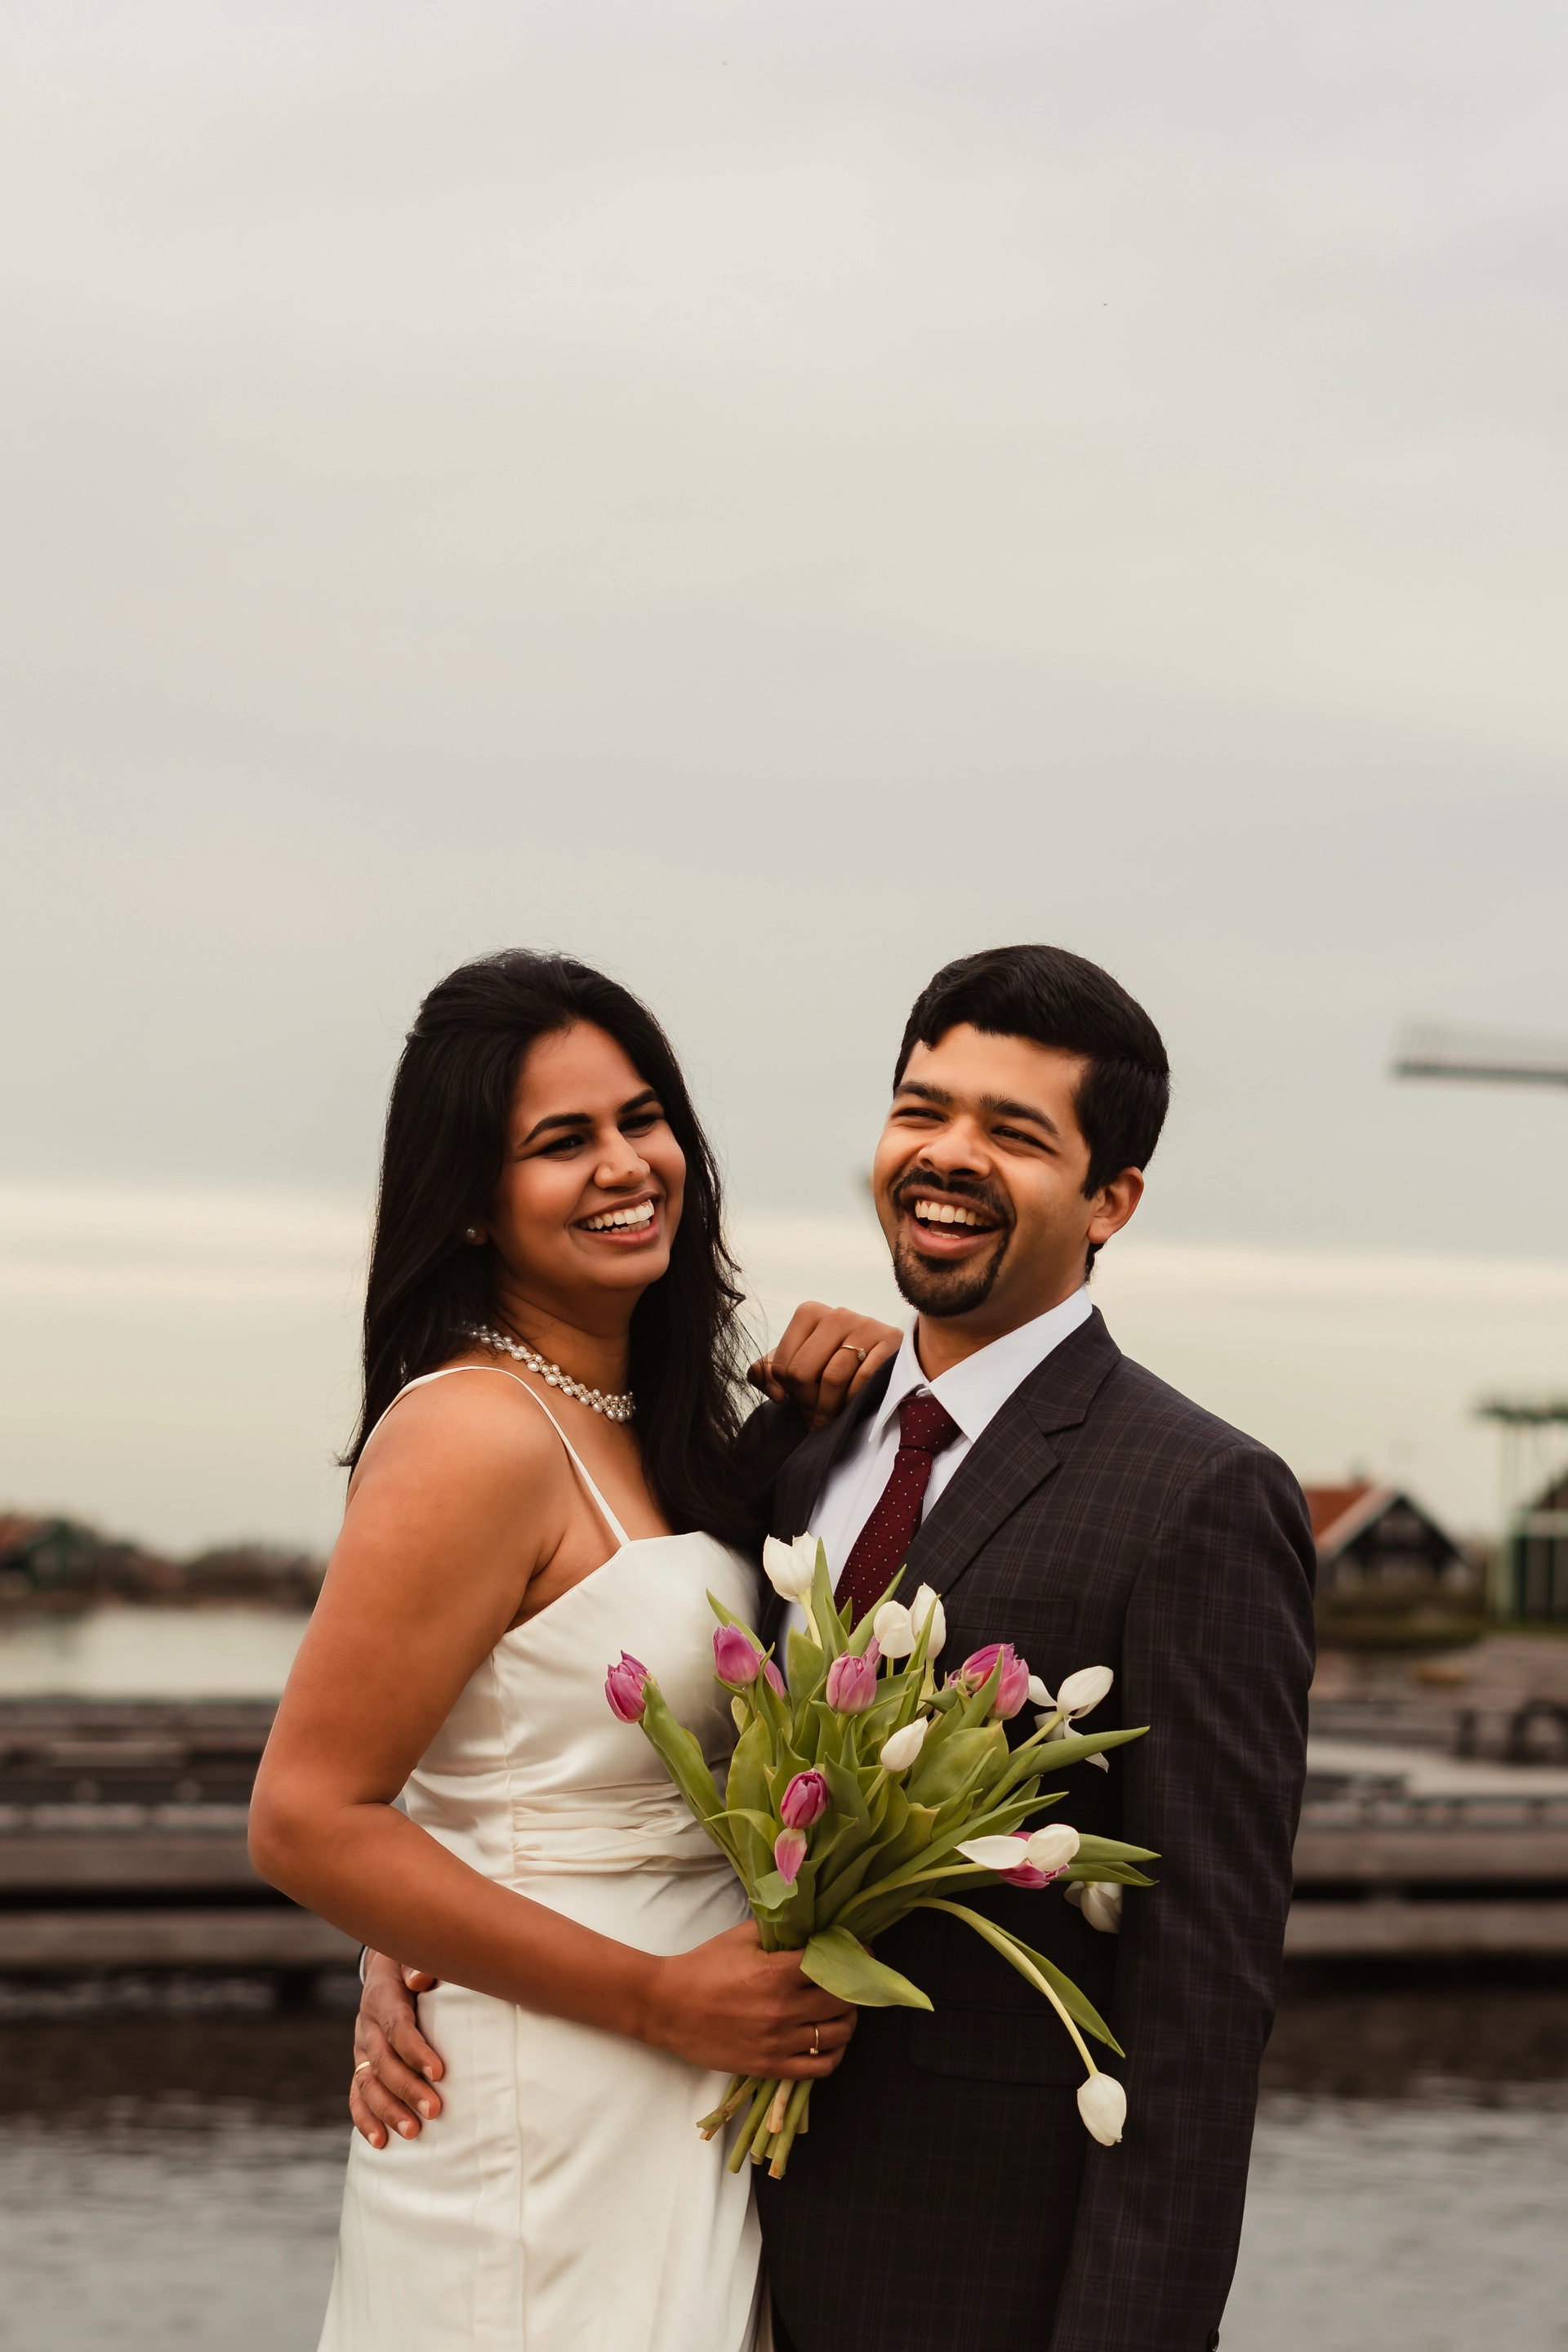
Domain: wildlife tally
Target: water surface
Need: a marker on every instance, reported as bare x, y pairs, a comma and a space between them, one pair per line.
122, 1651
169, 2173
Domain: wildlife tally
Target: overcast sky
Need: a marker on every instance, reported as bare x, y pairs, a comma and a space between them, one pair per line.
766, 496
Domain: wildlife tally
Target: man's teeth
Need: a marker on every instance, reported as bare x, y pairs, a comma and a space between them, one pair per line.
641, 1215
943, 1212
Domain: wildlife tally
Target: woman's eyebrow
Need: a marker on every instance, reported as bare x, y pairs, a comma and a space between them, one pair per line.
585, 1118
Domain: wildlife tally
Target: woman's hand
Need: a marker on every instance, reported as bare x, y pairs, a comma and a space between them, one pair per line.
728, 2006
395, 2069
823, 1361
735, 2008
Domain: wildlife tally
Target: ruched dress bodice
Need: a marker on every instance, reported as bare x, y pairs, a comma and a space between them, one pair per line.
532, 1774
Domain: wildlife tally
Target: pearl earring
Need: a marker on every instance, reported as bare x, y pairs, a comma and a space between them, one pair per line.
471, 1233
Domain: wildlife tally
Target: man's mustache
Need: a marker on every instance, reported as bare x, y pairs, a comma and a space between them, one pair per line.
955, 1188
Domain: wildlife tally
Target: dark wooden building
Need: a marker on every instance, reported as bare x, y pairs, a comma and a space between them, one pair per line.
1376, 1542
1538, 1555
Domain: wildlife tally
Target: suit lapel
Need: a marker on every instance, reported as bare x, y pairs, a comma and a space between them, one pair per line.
799, 1487
1014, 1455
805, 1473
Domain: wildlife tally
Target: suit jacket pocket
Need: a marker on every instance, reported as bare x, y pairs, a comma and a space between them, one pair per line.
995, 2045
1052, 1613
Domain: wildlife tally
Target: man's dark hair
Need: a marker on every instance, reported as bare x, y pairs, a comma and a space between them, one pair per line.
1057, 998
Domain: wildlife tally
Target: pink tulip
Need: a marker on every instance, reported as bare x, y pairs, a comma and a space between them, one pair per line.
735, 1659
776, 1681
805, 1800
1012, 1690
1014, 1687
852, 1682
1026, 1874
789, 1853
624, 1688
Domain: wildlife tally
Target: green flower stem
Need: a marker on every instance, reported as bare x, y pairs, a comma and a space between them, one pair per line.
742, 2087
795, 2114
764, 2137
999, 1939
758, 2114
921, 1878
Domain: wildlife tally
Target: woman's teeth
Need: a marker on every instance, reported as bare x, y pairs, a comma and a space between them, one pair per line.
943, 1212
642, 1215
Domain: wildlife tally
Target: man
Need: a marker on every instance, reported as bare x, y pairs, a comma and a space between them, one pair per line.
1061, 1498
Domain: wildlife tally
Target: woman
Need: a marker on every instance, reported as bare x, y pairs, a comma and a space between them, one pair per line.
548, 1200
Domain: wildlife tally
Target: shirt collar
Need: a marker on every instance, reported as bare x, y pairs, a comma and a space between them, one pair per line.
975, 1391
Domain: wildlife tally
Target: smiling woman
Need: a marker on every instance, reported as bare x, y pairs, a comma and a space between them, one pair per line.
547, 1227
526, 1078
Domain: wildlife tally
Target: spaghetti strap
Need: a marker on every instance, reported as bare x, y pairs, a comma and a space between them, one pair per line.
621, 1536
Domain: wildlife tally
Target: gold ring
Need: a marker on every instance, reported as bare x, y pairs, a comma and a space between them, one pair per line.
817, 2041
850, 1349
360, 2068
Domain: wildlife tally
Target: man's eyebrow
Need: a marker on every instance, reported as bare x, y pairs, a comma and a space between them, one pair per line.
997, 1105
585, 1118
927, 1094
1004, 1107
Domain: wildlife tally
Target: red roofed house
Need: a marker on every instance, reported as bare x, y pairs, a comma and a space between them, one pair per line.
1374, 1538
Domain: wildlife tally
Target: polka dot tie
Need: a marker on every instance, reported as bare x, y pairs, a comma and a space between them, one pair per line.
925, 1427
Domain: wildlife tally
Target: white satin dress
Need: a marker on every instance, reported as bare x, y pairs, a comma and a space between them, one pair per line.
562, 2201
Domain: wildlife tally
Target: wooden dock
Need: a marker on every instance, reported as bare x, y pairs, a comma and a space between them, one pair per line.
122, 1846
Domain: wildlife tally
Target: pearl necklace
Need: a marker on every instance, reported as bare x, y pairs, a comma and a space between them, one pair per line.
613, 1407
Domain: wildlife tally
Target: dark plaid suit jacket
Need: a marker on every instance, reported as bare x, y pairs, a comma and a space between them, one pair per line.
947, 2198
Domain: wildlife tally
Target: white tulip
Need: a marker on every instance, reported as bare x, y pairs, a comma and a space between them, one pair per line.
994, 1852
1100, 1900
1081, 1693
1102, 2104
1053, 1847
927, 1604
894, 1628
1038, 1694
1100, 1903
790, 1567
899, 1752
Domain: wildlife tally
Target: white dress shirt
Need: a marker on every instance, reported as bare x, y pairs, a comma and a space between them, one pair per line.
973, 1392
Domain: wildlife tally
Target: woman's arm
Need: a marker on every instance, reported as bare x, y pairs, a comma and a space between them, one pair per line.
462, 1501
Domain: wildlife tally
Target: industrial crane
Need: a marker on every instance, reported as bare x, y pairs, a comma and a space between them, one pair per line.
1497, 1057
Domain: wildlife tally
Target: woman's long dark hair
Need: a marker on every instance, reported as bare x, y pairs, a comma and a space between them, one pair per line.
446, 1141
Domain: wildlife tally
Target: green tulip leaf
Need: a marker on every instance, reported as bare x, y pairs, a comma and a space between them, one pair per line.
841, 1965
807, 1667
1099, 1849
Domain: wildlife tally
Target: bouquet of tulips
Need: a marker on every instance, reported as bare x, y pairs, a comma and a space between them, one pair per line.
859, 1792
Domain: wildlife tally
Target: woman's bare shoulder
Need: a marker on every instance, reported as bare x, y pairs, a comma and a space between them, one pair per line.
476, 1426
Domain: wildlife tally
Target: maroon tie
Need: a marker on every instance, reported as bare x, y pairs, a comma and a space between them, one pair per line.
924, 1428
